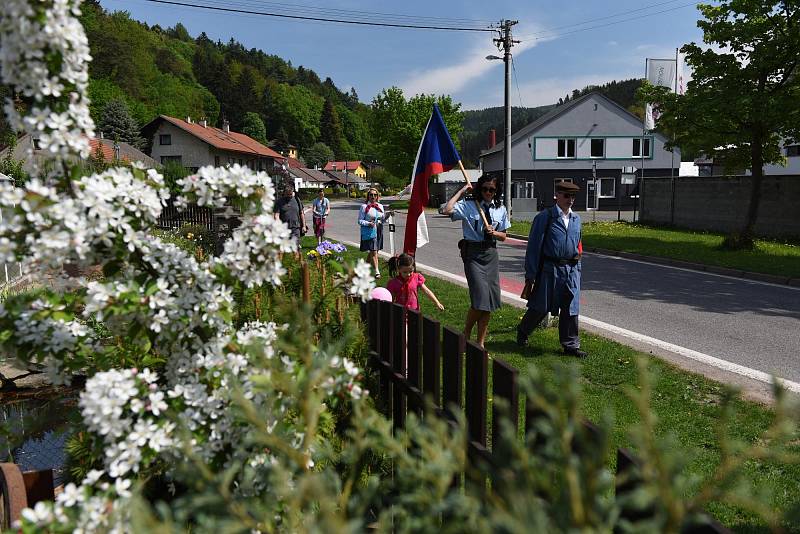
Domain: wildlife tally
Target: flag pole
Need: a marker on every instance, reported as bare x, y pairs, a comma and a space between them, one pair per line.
477, 204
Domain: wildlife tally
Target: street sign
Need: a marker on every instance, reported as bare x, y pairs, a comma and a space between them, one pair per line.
629, 170
628, 179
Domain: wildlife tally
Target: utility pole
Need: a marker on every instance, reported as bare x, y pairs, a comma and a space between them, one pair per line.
505, 42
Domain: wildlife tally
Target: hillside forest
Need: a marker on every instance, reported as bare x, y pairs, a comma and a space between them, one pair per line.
154, 70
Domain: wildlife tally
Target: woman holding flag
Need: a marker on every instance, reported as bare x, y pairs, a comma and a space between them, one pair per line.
484, 221
370, 219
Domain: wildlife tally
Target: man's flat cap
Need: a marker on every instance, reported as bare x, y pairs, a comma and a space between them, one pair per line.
567, 187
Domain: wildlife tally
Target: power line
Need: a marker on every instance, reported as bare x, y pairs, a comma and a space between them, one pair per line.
516, 81
644, 15
318, 19
360, 13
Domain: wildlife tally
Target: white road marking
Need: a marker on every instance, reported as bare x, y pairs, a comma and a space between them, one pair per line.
706, 359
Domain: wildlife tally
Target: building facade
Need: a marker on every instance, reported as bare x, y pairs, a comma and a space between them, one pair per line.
591, 136
196, 144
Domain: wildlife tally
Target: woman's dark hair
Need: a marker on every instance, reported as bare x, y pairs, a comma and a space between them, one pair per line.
477, 188
403, 260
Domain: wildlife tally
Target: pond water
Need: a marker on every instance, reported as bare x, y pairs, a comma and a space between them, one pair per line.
33, 433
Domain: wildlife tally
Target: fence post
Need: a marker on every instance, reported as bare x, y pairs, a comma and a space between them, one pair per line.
476, 402
385, 353
505, 388
398, 360
452, 370
431, 360
413, 340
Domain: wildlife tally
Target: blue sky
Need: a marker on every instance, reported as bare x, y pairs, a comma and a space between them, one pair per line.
557, 53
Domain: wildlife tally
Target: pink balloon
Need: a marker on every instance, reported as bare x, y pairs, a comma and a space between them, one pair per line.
381, 293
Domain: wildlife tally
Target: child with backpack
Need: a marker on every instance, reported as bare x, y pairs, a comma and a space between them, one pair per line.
406, 282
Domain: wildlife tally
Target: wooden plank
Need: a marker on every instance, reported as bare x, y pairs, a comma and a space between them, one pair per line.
431, 360
452, 369
505, 388
13, 493
373, 322
385, 353
398, 315
39, 486
476, 394
413, 344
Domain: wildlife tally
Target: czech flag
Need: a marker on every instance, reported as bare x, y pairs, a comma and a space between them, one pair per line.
436, 154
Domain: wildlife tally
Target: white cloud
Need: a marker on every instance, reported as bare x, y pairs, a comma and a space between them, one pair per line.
541, 92
452, 78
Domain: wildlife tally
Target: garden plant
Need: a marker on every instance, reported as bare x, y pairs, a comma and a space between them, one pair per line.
227, 394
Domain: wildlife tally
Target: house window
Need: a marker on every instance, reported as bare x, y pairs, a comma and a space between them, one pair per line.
637, 147
566, 148
792, 151
598, 148
216, 161
523, 190
165, 139
607, 187
171, 159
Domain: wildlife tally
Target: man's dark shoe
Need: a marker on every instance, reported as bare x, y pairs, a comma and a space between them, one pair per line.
522, 341
578, 353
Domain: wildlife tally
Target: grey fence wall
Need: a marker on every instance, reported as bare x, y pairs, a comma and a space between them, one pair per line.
720, 203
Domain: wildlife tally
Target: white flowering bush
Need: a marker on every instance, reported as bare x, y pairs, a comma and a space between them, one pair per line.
166, 367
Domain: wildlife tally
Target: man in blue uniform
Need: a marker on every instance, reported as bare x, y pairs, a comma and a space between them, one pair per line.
553, 271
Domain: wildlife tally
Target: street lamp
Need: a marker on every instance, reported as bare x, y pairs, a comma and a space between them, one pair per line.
507, 142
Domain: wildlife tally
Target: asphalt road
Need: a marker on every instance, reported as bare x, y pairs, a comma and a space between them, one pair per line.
753, 324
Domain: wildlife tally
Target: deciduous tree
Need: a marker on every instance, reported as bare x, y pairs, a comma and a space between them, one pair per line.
744, 93
398, 125
253, 126
318, 155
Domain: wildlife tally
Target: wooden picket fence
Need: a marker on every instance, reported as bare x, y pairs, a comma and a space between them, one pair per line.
172, 218
424, 366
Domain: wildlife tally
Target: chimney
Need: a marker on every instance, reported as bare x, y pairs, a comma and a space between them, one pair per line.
116, 151
226, 126
492, 138
188, 119
203, 122
101, 134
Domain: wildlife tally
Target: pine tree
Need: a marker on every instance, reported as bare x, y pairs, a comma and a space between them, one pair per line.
330, 129
116, 122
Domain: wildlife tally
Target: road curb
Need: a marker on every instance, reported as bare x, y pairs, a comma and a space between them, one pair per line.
725, 271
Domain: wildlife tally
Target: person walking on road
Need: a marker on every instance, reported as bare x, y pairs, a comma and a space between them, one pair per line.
553, 271
370, 218
289, 209
320, 209
479, 250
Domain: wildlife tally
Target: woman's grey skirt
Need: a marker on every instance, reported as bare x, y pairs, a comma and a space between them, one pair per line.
483, 277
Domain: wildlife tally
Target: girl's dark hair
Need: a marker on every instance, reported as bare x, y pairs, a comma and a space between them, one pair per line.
403, 260
484, 179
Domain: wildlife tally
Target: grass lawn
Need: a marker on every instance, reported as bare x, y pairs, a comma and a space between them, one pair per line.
399, 204
769, 257
687, 405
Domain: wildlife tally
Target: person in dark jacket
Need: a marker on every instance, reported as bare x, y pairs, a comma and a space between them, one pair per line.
553, 271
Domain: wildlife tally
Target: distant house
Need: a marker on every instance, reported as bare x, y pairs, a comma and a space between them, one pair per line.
311, 178
349, 180
789, 150
28, 146
589, 134
351, 167
196, 144
457, 176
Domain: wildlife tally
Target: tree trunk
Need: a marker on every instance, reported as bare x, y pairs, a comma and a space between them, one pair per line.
757, 169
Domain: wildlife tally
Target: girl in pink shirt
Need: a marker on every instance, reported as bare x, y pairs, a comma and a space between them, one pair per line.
406, 282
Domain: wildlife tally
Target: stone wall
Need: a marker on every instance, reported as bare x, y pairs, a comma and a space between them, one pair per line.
720, 203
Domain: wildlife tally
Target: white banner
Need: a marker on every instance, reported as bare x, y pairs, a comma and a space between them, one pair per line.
681, 88
650, 116
661, 72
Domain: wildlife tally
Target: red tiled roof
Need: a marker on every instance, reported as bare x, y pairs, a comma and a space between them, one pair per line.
232, 141
351, 165
295, 163
108, 152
